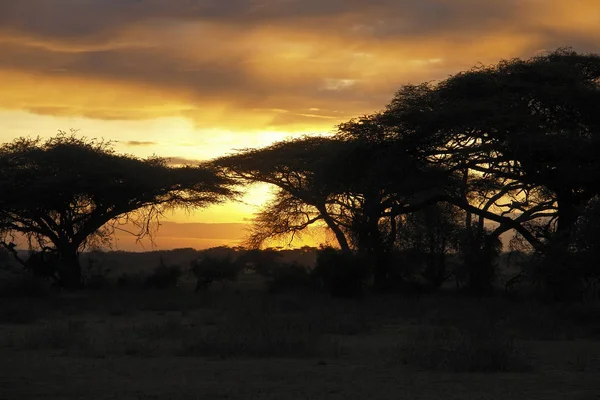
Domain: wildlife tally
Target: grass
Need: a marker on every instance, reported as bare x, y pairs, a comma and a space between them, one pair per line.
176, 331
463, 350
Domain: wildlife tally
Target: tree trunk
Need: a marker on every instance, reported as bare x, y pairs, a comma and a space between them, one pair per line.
567, 216
561, 283
70, 269
339, 235
370, 242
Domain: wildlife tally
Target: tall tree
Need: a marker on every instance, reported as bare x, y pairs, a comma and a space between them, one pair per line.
530, 127
296, 168
67, 192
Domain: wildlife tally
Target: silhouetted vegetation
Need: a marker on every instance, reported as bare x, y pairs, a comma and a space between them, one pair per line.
66, 194
422, 191
340, 273
210, 269
164, 276
416, 195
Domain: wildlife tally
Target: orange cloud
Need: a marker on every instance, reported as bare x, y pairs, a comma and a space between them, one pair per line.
256, 65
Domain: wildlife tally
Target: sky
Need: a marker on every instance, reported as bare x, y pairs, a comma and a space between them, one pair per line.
196, 79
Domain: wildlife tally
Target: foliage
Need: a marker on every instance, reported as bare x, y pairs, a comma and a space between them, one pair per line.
525, 126
341, 274
287, 277
67, 193
210, 269
130, 281
296, 168
23, 284
96, 275
573, 273
426, 237
164, 276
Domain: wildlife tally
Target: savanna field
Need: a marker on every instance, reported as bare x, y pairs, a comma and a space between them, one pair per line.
406, 196
240, 340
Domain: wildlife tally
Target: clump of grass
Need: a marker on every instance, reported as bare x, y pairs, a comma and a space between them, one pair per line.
24, 285
469, 350
289, 277
131, 281
267, 336
118, 308
56, 336
164, 276
17, 313
585, 360
210, 269
167, 329
174, 301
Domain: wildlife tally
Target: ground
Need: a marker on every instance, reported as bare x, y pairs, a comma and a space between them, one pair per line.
239, 342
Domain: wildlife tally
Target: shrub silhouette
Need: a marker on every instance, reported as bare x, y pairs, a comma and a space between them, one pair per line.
96, 275
464, 350
24, 285
294, 276
210, 269
341, 274
131, 281
164, 276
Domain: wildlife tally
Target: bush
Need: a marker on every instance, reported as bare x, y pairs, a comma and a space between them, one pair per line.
130, 281
210, 269
24, 284
96, 277
260, 336
18, 312
164, 276
471, 350
341, 274
293, 276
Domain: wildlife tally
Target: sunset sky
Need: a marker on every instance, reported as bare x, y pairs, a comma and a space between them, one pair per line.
195, 79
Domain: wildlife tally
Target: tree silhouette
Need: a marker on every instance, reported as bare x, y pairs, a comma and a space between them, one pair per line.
529, 125
383, 180
520, 133
66, 193
428, 236
296, 168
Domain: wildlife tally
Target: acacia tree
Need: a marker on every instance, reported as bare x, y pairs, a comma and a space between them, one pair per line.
340, 182
383, 181
296, 167
521, 133
66, 192
428, 236
529, 126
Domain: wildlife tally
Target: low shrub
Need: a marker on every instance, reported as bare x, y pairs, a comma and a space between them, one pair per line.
286, 277
96, 276
18, 312
164, 276
341, 274
210, 269
24, 284
265, 336
131, 281
470, 350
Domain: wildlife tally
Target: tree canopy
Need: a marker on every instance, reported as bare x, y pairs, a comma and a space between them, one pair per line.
515, 143
531, 126
66, 192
